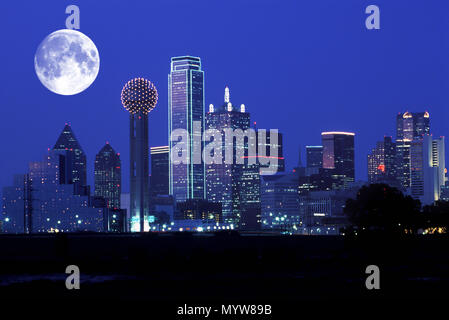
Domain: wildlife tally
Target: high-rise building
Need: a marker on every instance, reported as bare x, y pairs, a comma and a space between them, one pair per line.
427, 166
381, 162
56, 207
409, 126
74, 168
186, 112
314, 156
280, 202
412, 125
108, 176
249, 190
139, 97
42, 201
439, 159
403, 163
264, 157
159, 171
16, 206
232, 184
338, 156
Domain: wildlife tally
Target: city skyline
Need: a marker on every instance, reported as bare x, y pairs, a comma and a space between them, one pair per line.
213, 159
321, 188
68, 141
325, 88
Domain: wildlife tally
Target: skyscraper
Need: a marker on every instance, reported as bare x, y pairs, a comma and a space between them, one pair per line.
409, 126
159, 171
381, 162
264, 156
338, 155
439, 159
16, 206
75, 165
249, 189
41, 201
224, 181
427, 168
139, 97
56, 207
412, 125
314, 156
108, 176
280, 202
185, 111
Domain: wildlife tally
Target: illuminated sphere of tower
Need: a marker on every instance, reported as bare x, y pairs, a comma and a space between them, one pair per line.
139, 95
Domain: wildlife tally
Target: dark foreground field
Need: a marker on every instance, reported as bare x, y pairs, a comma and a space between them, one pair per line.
221, 268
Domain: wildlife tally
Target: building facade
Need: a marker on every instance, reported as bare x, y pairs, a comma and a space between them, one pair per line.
338, 156
381, 162
108, 176
314, 156
159, 180
409, 126
235, 184
16, 206
185, 111
75, 166
280, 202
56, 206
427, 169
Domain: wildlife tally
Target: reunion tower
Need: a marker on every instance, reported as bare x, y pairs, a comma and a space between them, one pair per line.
139, 97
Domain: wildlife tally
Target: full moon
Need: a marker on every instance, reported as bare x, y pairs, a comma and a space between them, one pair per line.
67, 62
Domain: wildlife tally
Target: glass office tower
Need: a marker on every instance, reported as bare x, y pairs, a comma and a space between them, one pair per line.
381, 162
314, 156
230, 183
338, 156
75, 160
409, 126
159, 171
186, 109
108, 176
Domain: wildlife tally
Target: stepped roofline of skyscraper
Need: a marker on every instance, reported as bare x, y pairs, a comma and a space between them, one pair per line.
338, 132
183, 62
186, 57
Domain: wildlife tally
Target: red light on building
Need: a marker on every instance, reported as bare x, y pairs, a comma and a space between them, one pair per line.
381, 167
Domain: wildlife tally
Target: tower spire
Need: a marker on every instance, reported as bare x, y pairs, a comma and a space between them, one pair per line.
227, 95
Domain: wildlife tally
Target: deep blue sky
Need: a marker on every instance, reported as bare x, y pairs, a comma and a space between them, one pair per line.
300, 66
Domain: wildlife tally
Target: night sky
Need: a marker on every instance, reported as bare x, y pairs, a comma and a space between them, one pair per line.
302, 67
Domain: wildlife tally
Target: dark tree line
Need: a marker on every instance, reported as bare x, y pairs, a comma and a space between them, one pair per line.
379, 208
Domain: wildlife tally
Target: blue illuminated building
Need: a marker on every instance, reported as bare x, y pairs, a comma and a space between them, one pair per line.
186, 109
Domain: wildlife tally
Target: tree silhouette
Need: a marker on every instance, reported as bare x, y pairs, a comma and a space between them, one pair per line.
384, 209
437, 216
